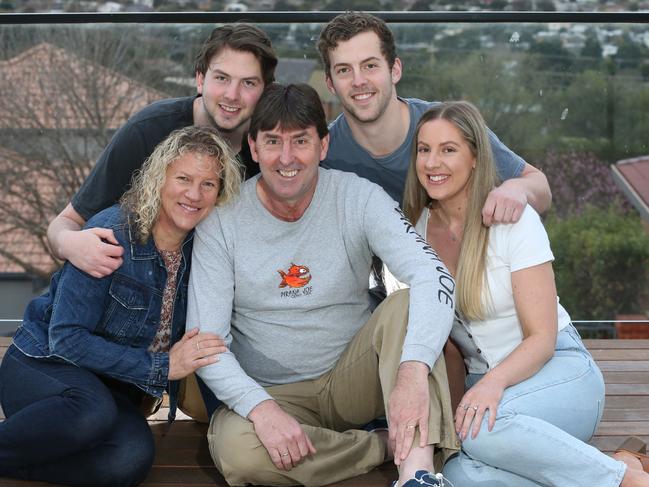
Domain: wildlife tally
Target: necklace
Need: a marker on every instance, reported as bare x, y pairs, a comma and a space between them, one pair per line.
446, 222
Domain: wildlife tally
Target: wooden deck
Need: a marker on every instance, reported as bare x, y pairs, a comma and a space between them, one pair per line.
625, 365
183, 459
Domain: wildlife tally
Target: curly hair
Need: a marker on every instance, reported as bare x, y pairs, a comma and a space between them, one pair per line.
345, 26
142, 201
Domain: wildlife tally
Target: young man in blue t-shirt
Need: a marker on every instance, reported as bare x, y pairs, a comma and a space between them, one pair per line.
373, 136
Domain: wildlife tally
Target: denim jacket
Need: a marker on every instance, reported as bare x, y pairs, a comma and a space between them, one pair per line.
107, 324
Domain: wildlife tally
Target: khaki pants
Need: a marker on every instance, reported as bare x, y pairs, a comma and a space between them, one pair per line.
332, 407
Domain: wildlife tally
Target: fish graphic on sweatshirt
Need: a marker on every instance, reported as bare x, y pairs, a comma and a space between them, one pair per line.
297, 276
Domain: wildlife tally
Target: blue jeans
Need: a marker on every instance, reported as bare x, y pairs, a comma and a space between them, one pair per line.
541, 428
64, 425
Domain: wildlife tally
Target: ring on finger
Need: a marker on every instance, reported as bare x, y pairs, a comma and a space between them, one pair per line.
475, 408
465, 406
198, 345
285, 454
411, 426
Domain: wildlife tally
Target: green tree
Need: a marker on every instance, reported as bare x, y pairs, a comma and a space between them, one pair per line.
421, 5
550, 55
601, 262
629, 53
545, 5
361, 5
591, 53
586, 121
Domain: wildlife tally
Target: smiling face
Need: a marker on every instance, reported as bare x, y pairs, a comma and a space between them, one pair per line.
230, 89
189, 193
361, 77
288, 161
444, 161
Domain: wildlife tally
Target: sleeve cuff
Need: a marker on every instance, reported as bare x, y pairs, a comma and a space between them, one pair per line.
418, 353
248, 402
160, 370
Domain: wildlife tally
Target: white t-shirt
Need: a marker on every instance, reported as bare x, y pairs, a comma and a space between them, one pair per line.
512, 247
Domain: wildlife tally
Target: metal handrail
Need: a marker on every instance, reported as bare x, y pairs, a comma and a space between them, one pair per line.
320, 17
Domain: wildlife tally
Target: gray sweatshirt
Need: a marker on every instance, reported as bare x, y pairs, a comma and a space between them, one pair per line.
289, 296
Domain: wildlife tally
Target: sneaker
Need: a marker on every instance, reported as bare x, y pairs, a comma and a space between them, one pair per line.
378, 424
423, 478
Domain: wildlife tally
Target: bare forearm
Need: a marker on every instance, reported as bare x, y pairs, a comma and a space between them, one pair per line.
535, 186
95, 250
56, 234
524, 361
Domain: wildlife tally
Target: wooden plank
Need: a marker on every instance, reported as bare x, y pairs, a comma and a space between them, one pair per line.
635, 428
165, 476
631, 377
625, 415
627, 402
621, 354
601, 344
184, 457
623, 365
179, 428
379, 477
184, 476
609, 444
174, 442
627, 389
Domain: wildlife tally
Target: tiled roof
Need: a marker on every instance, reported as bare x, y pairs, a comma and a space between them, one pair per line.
24, 215
48, 87
632, 175
51, 90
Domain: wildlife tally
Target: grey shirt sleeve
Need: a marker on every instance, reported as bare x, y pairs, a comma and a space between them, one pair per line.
508, 164
393, 239
209, 306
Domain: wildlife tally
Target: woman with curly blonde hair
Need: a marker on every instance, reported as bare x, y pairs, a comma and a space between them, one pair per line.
94, 355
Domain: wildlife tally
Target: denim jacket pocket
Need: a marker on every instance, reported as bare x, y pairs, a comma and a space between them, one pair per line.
127, 309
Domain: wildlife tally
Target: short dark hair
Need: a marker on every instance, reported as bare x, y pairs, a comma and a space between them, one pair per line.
345, 26
239, 37
292, 107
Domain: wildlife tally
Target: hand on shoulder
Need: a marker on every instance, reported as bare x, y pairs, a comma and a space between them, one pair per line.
95, 251
504, 204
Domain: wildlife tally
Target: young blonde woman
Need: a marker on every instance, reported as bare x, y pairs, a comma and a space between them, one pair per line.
534, 395
92, 353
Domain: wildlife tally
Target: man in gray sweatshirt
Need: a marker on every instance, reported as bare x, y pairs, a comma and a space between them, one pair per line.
282, 273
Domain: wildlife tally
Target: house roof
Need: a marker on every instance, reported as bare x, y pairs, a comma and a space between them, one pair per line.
53, 91
632, 176
50, 88
24, 216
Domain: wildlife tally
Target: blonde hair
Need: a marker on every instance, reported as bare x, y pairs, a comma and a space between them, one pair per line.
142, 201
472, 300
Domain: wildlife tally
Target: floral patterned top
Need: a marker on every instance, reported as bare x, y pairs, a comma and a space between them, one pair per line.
161, 341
